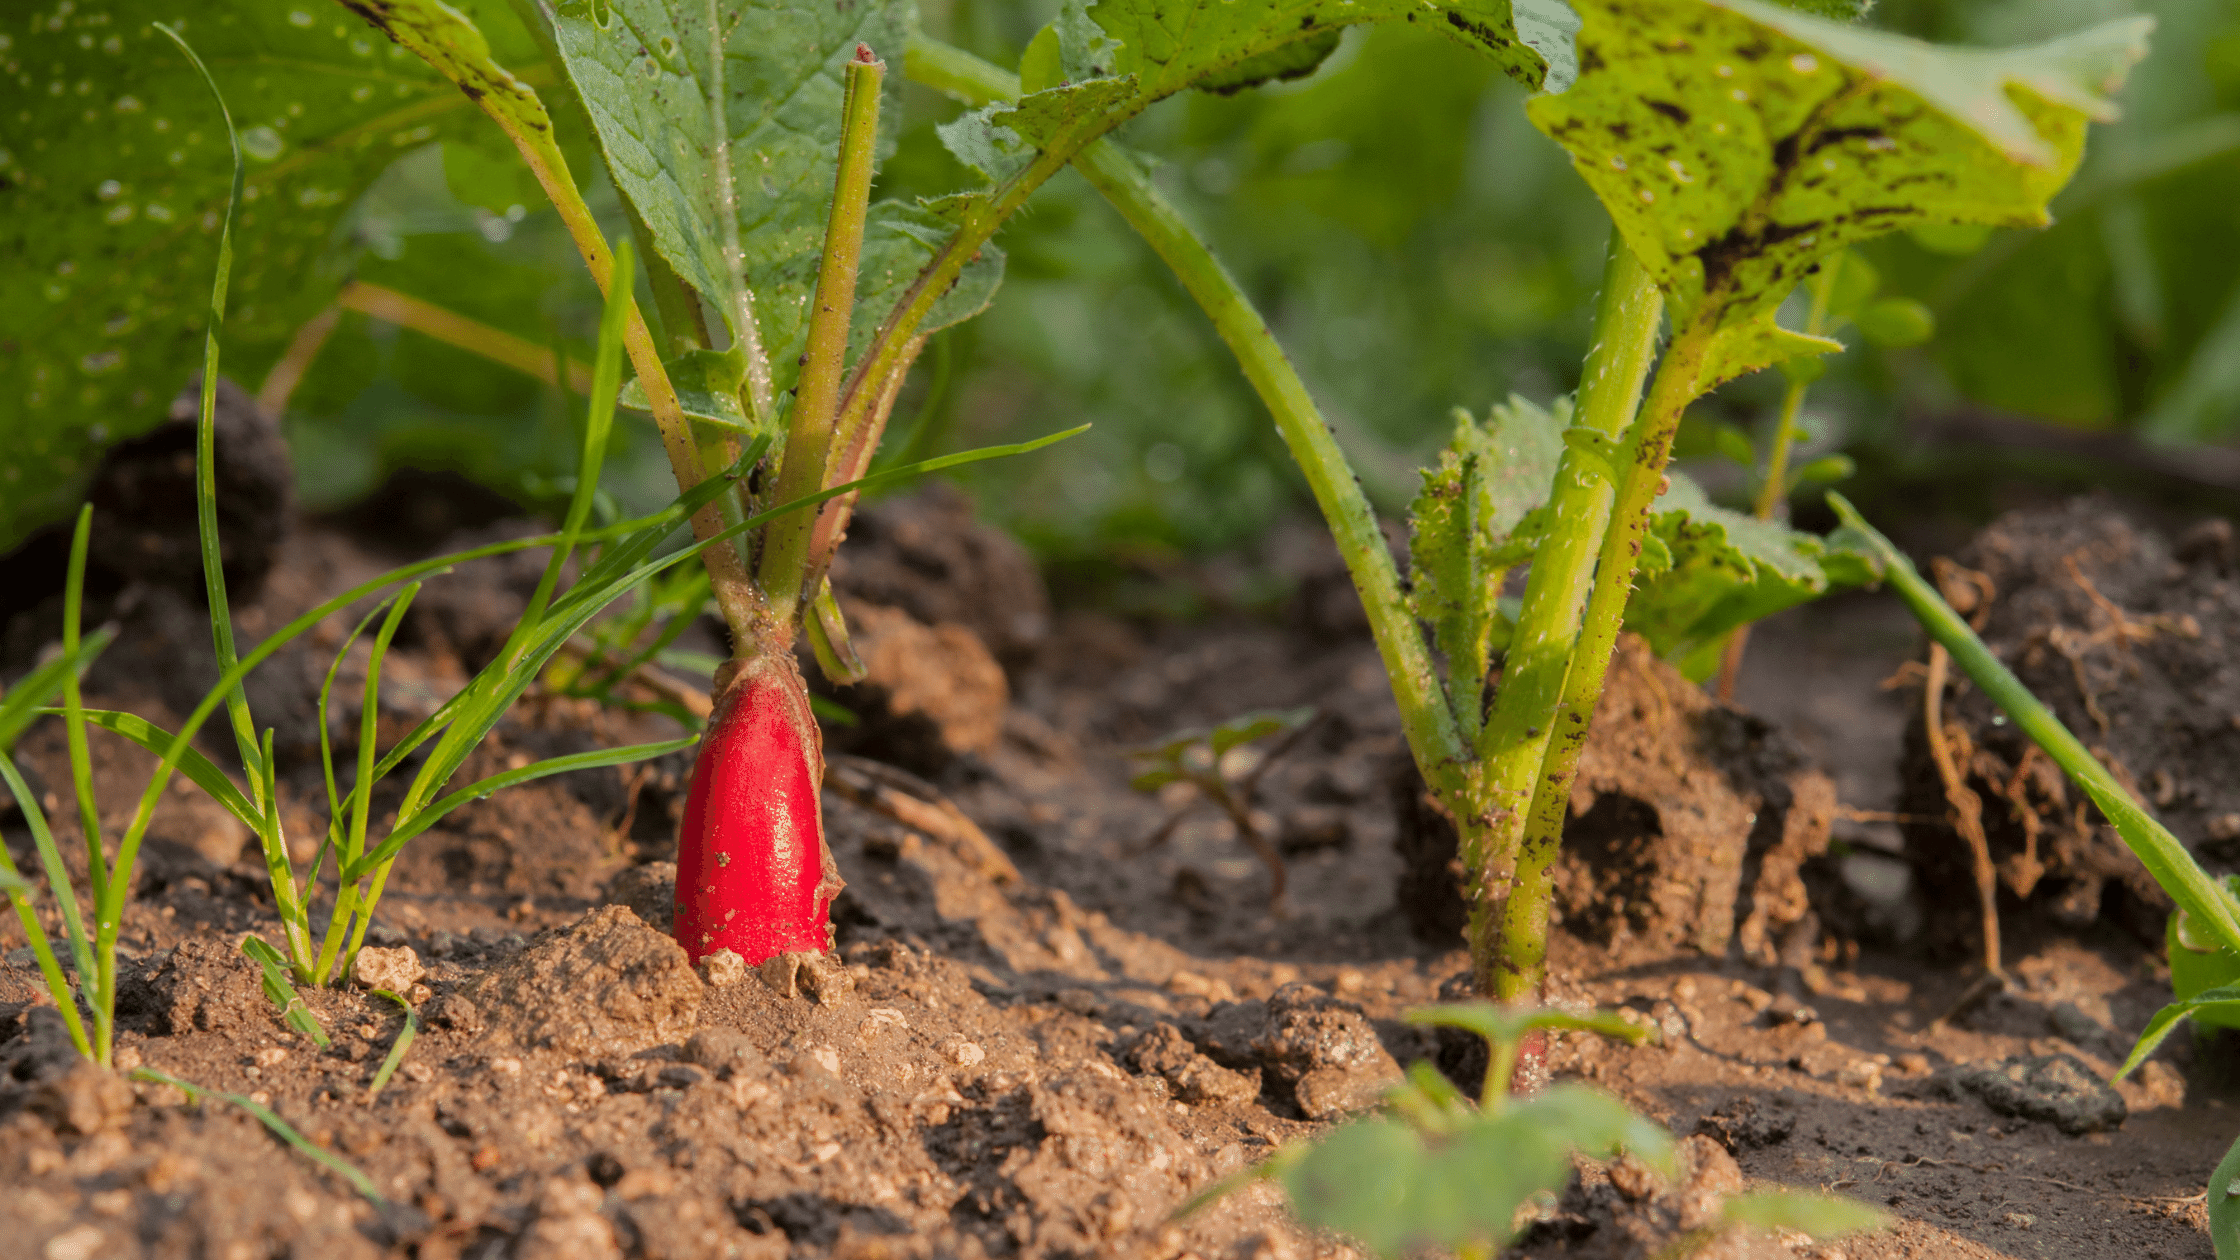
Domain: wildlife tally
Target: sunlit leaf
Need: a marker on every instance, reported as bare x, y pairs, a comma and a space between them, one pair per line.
113, 173
1713, 569
1736, 142
1395, 1188
748, 194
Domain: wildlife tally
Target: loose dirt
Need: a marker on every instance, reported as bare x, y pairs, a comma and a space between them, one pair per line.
1052, 1032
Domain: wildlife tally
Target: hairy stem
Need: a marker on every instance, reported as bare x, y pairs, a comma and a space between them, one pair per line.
1515, 737
810, 428
1520, 966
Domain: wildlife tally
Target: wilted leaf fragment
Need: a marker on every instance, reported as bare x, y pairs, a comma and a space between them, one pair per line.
1735, 142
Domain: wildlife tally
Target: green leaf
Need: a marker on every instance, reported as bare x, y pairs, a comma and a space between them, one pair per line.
707, 384
428, 815
2224, 1205
1292, 61
1821, 1216
111, 183
1396, 1189
1825, 470
1118, 57
397, 1048
1248, 727
1466, 522
281, 1129
1735, 142
1508, 1025
1757, 342
1721, 569
1729, 440
200, 770
748, 195
2219, 1007
1850, 282
1893, 323
20, 706
1041, 65
1170, 45
281, 993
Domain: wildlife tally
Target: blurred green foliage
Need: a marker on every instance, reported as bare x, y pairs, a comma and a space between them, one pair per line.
1416, 244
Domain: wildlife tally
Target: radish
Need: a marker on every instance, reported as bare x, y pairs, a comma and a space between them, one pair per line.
753, 873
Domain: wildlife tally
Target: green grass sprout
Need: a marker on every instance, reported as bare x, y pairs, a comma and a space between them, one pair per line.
280, 1128
397, 1048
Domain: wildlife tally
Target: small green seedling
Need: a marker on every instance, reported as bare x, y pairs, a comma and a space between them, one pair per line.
280, 1128
1737, 145
1438, 1170
397, 1048
282, 994
1225, 770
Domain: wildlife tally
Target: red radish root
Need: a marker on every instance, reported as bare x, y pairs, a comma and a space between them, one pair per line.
753, 873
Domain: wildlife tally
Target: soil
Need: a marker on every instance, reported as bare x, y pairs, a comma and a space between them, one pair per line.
2130, 637
1064, 1007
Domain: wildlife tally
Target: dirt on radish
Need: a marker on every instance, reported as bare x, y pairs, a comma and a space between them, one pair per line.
1050, 1034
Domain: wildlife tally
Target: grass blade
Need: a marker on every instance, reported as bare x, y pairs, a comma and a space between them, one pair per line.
2220, 1001
349, 900
58, 875
21, 706
18, 890
283, 994
2159, 851
606, 383
206, 431
428, 816
397, 1048
281, 1129
203, 772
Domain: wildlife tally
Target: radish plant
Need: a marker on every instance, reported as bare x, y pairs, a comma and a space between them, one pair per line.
618, 559
1737, 145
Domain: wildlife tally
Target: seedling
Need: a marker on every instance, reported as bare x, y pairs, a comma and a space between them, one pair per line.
624, 560
751, 379
1737, 146
1207, 761
1439, 1170
397, 1048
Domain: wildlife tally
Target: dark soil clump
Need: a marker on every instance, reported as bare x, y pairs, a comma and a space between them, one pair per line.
2134, 641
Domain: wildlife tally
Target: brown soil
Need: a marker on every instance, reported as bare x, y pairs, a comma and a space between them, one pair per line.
1053, 1032
2131, 639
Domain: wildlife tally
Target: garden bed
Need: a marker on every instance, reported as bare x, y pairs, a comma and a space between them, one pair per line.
1053, 1031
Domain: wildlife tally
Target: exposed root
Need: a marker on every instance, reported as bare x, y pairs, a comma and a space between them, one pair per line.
921, 807
1966, 807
